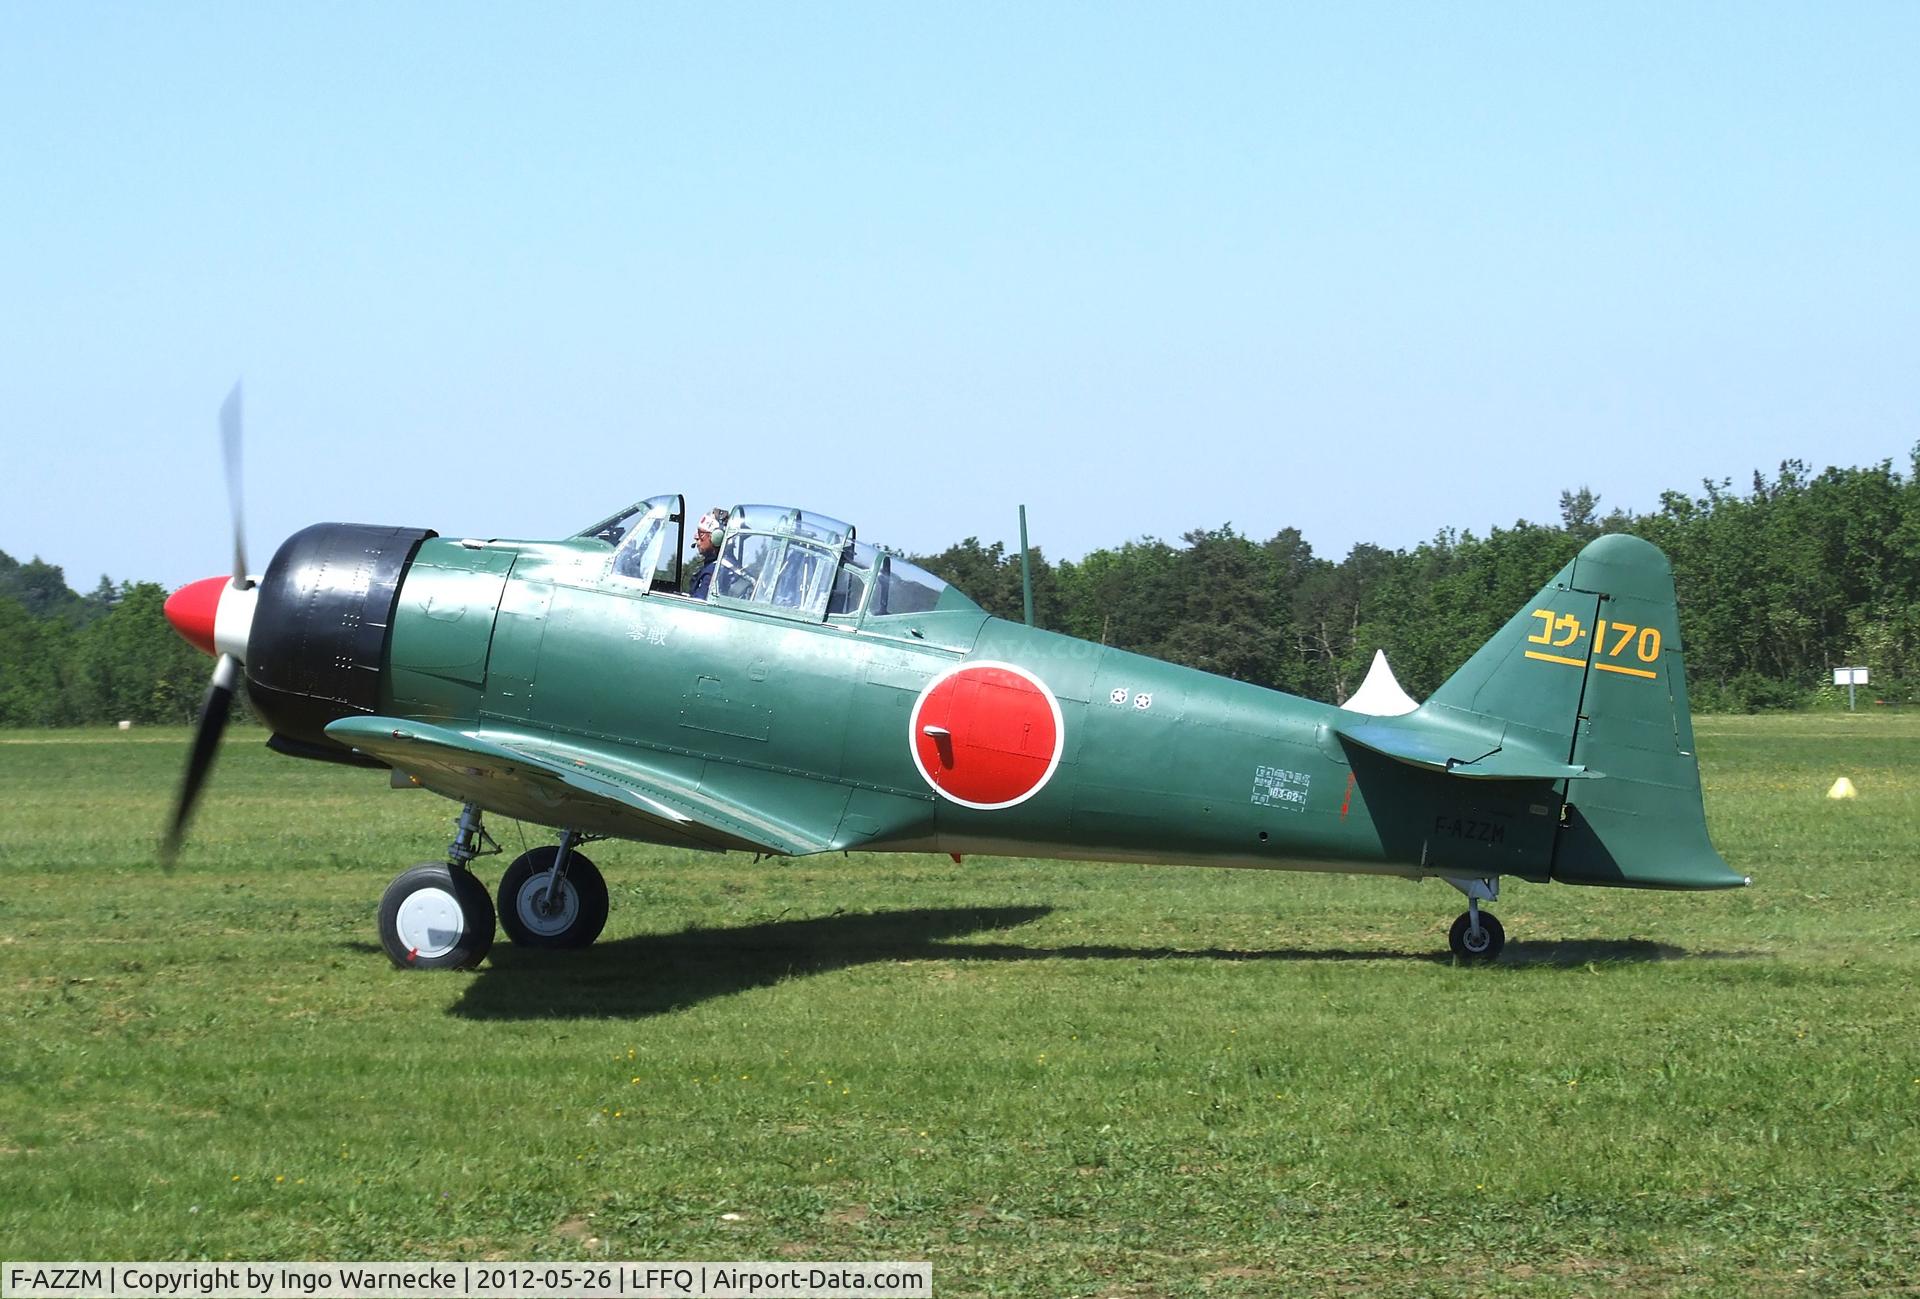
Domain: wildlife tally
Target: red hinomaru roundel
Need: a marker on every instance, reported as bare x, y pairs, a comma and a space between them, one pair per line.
987, 735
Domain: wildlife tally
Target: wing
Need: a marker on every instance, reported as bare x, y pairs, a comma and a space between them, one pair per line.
534, 778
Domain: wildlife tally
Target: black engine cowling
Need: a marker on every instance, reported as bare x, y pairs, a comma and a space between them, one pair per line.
321, 622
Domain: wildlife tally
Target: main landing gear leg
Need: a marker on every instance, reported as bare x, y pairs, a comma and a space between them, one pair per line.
553, 897
1477, 936
437, 916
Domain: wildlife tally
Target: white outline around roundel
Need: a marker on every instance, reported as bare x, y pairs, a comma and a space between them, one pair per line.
1059, 732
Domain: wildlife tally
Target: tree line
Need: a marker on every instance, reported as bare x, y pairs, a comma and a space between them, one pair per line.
68, 659
1778, 584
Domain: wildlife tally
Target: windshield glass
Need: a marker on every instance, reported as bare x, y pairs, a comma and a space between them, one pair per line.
772, 555
614, 529
745, 558
645, 540
905, 588
780, 521
784, 572
855, 576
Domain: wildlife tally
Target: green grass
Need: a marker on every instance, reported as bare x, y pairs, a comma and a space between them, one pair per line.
1048, 1079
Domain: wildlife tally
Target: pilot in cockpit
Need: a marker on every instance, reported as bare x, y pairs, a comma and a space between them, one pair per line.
707, 536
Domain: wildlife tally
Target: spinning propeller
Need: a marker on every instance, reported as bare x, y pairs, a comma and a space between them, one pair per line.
213, 614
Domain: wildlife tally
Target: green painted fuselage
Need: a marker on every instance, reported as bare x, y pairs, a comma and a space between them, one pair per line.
807, 725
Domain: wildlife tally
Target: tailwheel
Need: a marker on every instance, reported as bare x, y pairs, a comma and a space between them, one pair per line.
540, 907
1474, 943
433, 917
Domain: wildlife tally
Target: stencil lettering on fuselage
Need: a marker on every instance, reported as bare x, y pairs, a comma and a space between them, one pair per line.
986, 735
1281, 788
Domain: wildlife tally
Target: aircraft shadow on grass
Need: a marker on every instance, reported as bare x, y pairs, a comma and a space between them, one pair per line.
656, 974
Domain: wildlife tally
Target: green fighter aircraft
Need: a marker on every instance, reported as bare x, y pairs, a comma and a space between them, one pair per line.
824, 695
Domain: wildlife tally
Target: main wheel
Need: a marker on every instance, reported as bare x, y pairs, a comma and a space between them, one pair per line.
1483, 946
574, 918
435, 918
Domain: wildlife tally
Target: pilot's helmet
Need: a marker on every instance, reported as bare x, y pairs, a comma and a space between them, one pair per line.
714, 524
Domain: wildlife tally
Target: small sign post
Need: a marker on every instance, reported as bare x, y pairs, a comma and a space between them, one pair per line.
1850, 677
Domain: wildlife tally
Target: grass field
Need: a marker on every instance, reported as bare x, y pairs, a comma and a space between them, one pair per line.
1047, 1079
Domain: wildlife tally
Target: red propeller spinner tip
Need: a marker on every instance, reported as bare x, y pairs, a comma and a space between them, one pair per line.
193, 608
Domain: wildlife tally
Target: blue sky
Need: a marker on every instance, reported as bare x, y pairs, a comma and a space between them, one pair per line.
1369, 271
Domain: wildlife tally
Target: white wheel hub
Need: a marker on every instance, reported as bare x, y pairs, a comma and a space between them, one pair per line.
547, 919
430, 922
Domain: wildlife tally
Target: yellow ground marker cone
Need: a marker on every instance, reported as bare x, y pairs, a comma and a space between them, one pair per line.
1843, 788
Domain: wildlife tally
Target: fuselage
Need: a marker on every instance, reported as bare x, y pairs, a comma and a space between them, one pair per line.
822, 719
807, 692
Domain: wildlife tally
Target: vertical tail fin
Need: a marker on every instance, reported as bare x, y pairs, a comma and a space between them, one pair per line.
1590, 673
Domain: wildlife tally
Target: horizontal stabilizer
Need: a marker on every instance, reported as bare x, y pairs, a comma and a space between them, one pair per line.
1458, 751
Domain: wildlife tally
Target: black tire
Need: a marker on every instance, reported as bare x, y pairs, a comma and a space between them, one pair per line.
1493, 938
433, 917
582, 913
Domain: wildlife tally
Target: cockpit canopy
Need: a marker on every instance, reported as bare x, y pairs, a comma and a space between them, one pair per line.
790, 562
